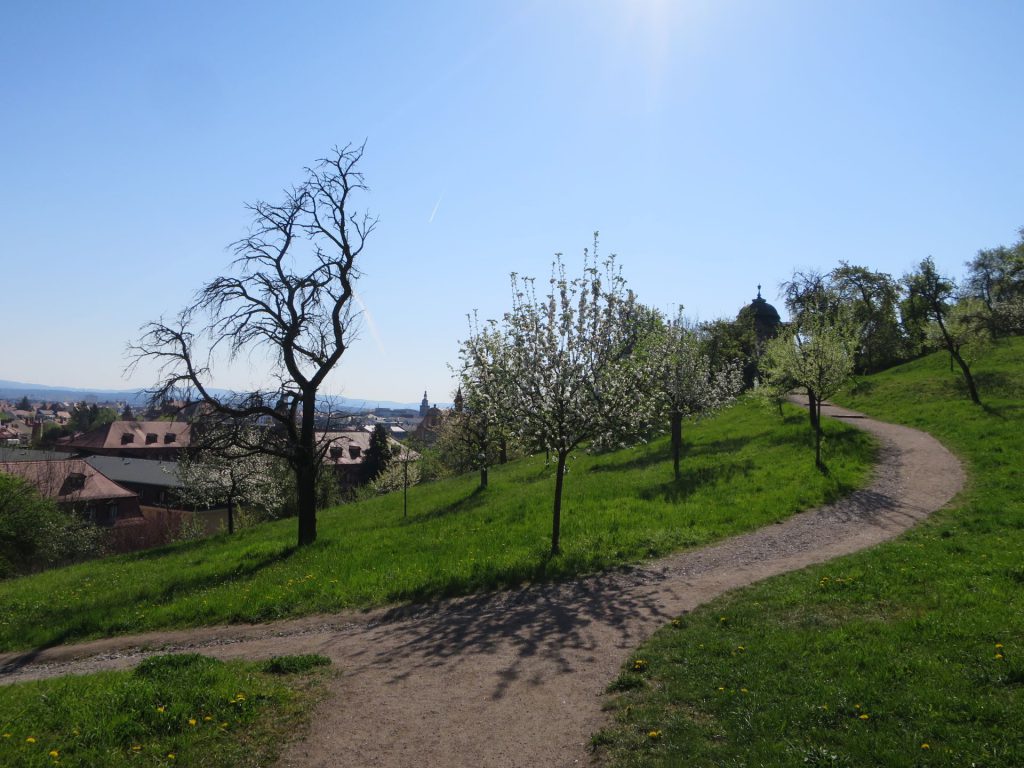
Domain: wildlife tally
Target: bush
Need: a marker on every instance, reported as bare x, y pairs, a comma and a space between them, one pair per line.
35, 534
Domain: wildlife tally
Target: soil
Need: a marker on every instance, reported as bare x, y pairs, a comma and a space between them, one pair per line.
517, 678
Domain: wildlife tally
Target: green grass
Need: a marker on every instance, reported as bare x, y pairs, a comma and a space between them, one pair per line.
864, 660
183, 710
743, 469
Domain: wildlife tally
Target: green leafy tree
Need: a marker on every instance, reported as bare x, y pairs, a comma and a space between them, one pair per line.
956, 330
378, 456
872, 300
24, 404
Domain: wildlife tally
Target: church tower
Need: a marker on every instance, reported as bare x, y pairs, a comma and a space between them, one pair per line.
424, 404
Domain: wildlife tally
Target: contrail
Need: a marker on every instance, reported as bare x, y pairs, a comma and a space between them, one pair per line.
369, 322
433, 213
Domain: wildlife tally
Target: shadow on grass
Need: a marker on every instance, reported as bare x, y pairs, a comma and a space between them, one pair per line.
648, 458
693, 479
476, 498
113, 614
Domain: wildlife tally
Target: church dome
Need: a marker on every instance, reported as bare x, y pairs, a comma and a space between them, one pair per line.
766, 318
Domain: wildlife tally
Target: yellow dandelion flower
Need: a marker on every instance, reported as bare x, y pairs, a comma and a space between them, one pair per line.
171, 756
744, 690
640, 665
30, 740
856, 706
191, 721
207, 719
161, 708
654, 734
864, 717
925, 746
54, 754
223, 725
136, 747
721, 687
999, 656
999, 645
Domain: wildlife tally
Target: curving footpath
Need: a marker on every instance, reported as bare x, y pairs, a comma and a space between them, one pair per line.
516, 678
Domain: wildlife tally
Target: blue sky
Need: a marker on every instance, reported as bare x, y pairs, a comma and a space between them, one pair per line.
715, 145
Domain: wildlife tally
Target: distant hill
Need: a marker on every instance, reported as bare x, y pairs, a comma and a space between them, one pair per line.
15, 390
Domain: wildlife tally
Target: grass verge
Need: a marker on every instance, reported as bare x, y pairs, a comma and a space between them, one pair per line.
171, 710
742, 470
910, 654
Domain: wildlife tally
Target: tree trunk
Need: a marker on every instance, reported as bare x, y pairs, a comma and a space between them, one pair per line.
556, 521
305, 485
817, 436
306, 470
483, 477
972, 390
812, 409
677, 441
502, 451
231, 514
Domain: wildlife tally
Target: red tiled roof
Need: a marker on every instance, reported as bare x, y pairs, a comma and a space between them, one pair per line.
133, 434
67, 480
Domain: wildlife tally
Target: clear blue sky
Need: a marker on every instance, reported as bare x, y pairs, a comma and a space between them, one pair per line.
715, 145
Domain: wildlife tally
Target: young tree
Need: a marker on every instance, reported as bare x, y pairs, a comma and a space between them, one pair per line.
568, 357
934, 296
476, 434
996, 278
817, 357
687, 384
225, 473
24, 404
289, 296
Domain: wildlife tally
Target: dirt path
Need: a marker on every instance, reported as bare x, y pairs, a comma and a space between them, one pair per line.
515, 678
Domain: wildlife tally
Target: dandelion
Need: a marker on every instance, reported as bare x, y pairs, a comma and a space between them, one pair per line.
54, 754
136, 747
207, 719
171, 756
224, 726
999, 657
161, 708
999, 645
925, 746
192, 721
721, 687
864, 717
744, 690
640, 665
654, 734
30, 740
677, 622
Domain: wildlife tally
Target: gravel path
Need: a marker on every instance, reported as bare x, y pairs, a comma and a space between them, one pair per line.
516, 678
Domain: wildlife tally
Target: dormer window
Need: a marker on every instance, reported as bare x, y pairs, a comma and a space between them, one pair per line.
354, 451
169, 438
75, 482
150, 438
127, 438
337, 451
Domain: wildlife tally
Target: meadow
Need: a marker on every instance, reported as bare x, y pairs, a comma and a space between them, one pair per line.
909, 654
743, 469
171, 710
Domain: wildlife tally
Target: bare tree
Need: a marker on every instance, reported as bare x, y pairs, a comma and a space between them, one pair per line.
289, 294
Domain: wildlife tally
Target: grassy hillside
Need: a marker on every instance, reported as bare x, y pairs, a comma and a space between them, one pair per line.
911, 654
171, 710
744, 469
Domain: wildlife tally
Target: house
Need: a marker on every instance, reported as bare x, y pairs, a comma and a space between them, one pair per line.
77, 487
346, 454
159, 440
156, 482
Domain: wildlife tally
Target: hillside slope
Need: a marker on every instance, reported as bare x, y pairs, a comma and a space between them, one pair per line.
909, 654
